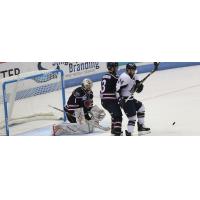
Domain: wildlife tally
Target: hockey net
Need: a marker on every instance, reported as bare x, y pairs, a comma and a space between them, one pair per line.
25, 100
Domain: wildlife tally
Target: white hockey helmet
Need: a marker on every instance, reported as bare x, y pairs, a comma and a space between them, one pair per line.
87, 84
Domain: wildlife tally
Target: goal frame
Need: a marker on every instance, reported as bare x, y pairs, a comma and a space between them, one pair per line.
18, 78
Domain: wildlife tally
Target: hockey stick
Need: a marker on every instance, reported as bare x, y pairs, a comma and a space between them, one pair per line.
156, 64
30, 118
58, 109
88, 121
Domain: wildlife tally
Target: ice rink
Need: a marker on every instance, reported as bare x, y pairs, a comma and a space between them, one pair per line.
169, 96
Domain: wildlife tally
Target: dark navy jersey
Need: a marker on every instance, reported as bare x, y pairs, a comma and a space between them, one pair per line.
108, 86
80, 98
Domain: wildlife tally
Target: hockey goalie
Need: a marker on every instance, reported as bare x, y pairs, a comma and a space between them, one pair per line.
83, 117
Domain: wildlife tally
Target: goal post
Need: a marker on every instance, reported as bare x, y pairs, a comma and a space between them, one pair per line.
25, 100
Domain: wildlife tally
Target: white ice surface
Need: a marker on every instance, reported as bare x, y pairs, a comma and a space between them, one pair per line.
169, 96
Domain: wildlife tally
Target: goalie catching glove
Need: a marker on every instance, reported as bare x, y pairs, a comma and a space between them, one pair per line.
97, 113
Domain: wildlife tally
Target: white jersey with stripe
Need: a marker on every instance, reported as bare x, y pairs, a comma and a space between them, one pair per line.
126, 84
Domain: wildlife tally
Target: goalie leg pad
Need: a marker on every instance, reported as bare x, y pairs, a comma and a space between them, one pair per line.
72, 129
97, 113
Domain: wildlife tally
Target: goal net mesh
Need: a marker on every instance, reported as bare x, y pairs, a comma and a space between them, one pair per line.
25, 101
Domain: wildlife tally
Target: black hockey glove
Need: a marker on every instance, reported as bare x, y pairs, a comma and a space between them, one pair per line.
87, 117
121, 101
139, 87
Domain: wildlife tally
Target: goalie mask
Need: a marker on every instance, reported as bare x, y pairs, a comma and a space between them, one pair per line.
87, 84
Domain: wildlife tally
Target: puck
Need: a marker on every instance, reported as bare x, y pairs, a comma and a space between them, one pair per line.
174, 123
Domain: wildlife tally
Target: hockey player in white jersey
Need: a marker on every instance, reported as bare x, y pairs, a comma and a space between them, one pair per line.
127, 84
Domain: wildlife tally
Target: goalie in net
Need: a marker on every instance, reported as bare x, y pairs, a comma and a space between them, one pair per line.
81, 113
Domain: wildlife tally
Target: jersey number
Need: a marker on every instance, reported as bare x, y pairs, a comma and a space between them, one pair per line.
103, 86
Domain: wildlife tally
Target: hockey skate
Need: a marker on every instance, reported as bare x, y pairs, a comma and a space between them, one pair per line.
128, 133
142, 130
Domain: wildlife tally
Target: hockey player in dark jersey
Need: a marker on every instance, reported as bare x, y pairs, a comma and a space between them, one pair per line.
80, 112
81, 97
127, 84
108, 97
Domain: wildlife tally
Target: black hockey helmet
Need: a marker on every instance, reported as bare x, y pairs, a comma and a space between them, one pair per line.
111, 65
131, 66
